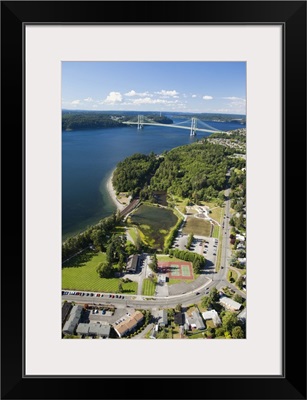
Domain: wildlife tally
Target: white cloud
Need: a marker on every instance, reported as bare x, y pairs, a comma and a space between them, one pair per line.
148, 100
194, 95
234, 98
207, 97
133, 93
75, 102
95, 106
236, 105
113, 98
168, 93
88, 99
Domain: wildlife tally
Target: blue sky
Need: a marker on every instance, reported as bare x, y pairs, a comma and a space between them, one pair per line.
155, 86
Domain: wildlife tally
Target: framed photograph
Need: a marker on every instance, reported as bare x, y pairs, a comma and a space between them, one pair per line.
162, 164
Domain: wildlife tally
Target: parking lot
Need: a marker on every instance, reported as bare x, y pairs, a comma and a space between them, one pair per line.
116, 316
205, 246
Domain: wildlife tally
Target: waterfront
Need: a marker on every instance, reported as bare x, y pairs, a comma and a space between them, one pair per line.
89, 156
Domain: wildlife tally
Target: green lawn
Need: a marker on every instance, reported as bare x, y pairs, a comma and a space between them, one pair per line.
216, 214
154, 223
174, 281
133, 234
148, 288
232, 273
196, 334
197, 226
209, 323
80, 274
165, 257
216, 230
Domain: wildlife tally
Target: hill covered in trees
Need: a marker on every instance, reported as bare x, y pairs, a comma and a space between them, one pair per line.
88, 120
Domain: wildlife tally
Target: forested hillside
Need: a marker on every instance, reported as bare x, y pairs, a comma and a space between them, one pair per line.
132, 174
195, 171
74, 121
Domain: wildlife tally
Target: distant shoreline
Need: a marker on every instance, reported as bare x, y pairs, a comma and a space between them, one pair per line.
112, 193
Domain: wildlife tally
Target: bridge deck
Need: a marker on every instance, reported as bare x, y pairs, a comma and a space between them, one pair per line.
172, 126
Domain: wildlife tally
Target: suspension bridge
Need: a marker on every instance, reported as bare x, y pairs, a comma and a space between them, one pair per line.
193, 125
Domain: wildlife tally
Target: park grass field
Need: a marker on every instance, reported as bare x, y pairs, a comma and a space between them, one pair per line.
217, 214
165, 257
148, 287
197, 226
154, 223
216, 230
79, 273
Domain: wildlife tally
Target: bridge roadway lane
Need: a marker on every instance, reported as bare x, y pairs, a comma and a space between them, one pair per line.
174, 126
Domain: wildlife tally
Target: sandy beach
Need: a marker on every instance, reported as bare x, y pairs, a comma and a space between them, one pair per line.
112, 193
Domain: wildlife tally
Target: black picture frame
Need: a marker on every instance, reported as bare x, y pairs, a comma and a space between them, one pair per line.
292, 16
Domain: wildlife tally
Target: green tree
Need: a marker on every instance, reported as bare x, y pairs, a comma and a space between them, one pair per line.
229, 321
120, 288
219, 332
214, 295
238, 298
240, 282
227, 335
237, 332
196, 266
104, 270
178, 307
154, 264
206, 302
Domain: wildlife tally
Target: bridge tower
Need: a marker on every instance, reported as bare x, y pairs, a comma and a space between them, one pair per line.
140, 121
193, 127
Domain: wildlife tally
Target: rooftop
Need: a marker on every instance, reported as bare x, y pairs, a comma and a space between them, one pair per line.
229, 303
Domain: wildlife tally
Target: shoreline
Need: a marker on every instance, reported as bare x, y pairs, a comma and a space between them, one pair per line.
112, 193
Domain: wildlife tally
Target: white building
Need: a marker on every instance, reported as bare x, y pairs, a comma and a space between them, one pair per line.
213, 315
230, 304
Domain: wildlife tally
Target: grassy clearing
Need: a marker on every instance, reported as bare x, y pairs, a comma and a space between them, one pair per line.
219, 251
148, 287
165, 257
209, 323
80, 274
232, 274
216, 231
196, 335
154, 223
174, 281
133, 234
197, 226
217, 214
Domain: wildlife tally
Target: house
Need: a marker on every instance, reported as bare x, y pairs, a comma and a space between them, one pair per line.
129, 324
163, 321
212, 315
195, 320
179, 318
132, 263
239, 237
94, 329
230, 304
73, 320
240, 246
242, 315
65, 311
242, 261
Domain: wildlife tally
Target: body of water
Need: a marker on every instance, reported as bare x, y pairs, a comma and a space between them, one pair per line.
89, 156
